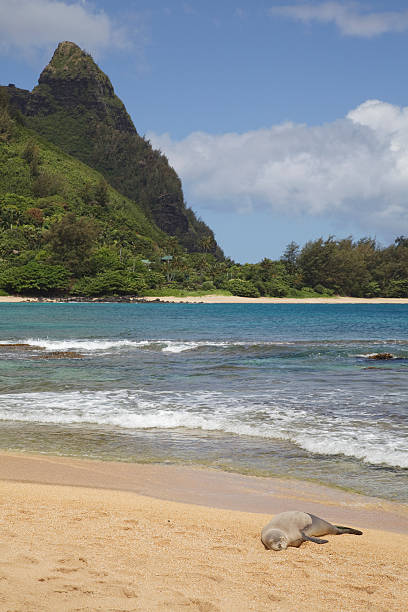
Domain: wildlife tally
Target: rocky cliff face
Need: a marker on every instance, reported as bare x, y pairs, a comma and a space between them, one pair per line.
75, 107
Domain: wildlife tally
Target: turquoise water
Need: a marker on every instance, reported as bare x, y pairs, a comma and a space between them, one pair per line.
268, 389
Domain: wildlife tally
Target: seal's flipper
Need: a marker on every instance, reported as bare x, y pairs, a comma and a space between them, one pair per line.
312, 539
348, 530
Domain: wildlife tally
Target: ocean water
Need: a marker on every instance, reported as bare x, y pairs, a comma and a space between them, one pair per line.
265, 389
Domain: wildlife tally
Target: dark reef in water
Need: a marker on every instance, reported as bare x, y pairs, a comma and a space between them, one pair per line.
60, 355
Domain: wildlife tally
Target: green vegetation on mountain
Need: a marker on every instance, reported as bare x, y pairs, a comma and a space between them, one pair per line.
66, 230
74, 106
60, 220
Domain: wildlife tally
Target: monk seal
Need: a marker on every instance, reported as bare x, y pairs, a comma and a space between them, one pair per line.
294, 527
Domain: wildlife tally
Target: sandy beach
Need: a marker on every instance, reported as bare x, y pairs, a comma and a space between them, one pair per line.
15, 299
84, 535
234, 299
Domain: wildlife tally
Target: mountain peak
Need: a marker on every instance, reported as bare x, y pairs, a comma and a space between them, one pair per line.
66, 46
75, 107
72, 80
70, 62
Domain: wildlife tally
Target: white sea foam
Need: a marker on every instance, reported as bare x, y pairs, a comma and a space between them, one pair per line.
366, 446
180, 347
206, 411
166, 346
79, 344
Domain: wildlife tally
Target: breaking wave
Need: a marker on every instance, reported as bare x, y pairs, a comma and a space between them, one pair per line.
166, 346
95, 346
363, 439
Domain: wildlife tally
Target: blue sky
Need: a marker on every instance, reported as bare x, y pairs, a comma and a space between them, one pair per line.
286, 120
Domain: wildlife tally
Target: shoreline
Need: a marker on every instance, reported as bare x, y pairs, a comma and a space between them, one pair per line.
69, 543
206, 487
234, 299
207, 299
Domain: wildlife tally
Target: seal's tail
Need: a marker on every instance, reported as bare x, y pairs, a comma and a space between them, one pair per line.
348, 530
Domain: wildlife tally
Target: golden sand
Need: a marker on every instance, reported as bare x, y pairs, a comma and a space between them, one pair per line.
79, 548
14, 299
234, 299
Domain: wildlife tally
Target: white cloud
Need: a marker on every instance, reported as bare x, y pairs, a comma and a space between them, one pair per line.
28, 26
350, 17
355, 168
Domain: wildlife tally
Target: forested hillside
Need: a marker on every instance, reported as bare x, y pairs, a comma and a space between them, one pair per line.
60, 221
75, 107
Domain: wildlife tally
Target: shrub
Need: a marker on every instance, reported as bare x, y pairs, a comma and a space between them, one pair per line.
208, 286
101, 193
241, 287
371, 290
112, 282
34, 278
105, 258
31, 154
155, 279
277, 288
9, 215
35, 215
319, 288
46, 185
71, 240
397, 288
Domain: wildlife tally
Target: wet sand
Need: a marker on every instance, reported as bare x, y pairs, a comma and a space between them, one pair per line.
84, 535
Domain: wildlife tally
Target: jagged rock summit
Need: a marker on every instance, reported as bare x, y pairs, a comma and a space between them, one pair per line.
70, 61
74, 106
74, 79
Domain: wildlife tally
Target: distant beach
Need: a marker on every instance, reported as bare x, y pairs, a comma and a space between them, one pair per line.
233, 299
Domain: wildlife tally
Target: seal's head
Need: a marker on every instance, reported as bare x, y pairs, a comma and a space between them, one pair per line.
276, 539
